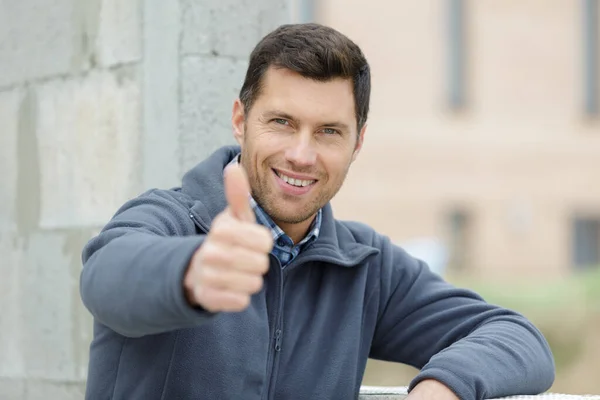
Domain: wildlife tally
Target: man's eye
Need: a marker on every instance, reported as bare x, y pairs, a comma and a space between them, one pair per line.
329, 131
280, 121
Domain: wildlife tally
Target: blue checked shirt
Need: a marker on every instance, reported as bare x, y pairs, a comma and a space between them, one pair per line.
283, 248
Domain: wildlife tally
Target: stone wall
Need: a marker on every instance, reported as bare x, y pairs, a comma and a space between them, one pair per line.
99, 100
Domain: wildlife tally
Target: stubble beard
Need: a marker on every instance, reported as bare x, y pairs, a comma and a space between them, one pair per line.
265, 196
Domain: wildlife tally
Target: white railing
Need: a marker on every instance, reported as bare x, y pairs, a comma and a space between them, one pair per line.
399, 393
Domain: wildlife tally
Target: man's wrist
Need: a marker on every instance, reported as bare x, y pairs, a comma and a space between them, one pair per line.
430, 389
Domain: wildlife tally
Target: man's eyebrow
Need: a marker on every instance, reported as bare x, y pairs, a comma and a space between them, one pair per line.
278, 114
284, 115
339, 125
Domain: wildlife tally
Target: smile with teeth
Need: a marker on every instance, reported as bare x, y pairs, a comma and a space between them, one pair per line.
294, 182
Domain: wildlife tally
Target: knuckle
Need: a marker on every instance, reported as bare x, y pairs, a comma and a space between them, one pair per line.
263, 239
222, 225
210, 306
263, 263
209, 257
243, 302
220, 218
190, 281
267, 240
199, 296
255, 284
216, 254
207, 250
209, 302
207, 277
218, 230
197, 258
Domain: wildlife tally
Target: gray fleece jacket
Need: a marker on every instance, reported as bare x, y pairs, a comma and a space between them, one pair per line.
349, 296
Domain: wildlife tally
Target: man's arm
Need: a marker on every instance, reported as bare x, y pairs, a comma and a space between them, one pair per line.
133, 270
453, 336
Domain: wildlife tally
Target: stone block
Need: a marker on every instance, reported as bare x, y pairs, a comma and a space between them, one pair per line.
12, 389
235, 27
81, 318
119, 38
48, 291
161, 93
43, 390
209, 88
88, 133
9, 123
38, 39
228, 27
12, 363
197, 37
274, 13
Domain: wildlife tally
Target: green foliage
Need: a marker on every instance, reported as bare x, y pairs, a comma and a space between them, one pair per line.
562, 309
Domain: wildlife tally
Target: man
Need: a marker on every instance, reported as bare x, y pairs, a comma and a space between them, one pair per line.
241, 284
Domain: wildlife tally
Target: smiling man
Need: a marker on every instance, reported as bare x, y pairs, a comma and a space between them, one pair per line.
241, 284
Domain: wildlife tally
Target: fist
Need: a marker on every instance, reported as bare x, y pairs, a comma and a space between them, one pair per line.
228, 267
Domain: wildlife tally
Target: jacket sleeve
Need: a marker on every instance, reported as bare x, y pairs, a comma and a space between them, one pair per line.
452, 335
132, 277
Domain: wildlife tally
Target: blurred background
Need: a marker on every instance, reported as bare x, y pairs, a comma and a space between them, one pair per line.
482, 154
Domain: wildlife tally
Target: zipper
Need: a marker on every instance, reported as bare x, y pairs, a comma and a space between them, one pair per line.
278, 340
275, 346
283, 275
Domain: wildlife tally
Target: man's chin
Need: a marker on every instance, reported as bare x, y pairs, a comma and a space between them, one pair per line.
289, 211
295, 217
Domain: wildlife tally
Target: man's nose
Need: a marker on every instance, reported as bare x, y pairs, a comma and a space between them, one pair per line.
302, 151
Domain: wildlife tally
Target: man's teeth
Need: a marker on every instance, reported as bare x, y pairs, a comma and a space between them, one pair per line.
295, 182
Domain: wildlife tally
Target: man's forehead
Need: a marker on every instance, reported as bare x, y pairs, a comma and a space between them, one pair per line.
289, 92
274, 75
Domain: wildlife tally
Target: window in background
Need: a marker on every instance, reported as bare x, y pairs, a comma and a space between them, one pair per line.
459, 226
456, 45
591, 64
586, 242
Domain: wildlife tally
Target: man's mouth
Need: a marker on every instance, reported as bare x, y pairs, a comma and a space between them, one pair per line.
295, 182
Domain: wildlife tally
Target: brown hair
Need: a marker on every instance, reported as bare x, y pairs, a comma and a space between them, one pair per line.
315, 52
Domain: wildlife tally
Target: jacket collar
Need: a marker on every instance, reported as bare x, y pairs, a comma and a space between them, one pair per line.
336, 243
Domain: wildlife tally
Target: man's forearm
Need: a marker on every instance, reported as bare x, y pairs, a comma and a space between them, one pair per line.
134, 283
505, 356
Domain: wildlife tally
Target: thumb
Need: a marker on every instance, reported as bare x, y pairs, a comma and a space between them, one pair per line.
237, 190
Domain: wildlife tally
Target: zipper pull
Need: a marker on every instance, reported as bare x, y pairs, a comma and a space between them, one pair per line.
278, 340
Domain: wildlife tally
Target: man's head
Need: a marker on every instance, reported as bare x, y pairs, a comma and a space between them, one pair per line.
301, 114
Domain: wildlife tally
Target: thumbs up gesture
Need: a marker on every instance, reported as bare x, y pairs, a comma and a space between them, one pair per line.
229, 266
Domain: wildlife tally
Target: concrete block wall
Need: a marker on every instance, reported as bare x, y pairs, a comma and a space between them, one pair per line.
99, 100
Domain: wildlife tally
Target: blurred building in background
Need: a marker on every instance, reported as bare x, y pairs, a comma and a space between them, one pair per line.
482, 156
484, 132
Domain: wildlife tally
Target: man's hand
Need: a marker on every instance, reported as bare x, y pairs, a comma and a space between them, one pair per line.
430, 389
229, 266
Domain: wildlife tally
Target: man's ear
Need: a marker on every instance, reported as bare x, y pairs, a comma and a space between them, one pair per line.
359, 142
238, 121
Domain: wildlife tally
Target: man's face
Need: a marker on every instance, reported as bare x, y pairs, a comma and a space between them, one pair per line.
298, 142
